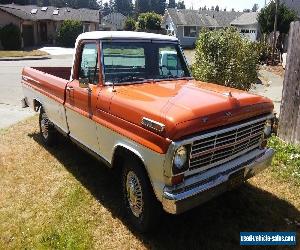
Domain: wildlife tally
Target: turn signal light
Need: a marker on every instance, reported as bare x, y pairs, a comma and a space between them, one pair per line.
177, 179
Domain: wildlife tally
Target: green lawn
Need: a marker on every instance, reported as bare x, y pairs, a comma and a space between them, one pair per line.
21, 53
61, 198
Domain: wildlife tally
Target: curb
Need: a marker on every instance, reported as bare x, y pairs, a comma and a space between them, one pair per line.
24, 58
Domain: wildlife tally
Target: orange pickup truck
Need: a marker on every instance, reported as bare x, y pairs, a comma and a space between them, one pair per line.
130, 101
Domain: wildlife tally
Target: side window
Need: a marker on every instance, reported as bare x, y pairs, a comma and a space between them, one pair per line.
89, 68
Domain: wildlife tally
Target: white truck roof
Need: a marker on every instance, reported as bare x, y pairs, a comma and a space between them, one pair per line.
124, 35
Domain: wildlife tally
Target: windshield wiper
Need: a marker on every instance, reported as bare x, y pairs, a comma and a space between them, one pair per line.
129, 79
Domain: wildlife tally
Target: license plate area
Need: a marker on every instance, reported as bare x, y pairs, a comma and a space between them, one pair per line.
236, 178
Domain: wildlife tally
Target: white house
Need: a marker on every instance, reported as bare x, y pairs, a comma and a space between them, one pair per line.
113, 21
187, 24
247, 25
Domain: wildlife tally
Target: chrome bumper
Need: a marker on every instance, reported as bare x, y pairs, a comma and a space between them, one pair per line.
176, 201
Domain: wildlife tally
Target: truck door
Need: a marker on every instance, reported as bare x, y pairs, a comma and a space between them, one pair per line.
81, 95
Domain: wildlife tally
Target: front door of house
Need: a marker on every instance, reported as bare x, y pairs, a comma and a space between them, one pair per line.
43, 32
28, 37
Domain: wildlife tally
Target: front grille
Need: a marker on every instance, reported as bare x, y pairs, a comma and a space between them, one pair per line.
218, 147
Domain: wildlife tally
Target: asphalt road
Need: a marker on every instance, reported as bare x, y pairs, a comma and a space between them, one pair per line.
11, 90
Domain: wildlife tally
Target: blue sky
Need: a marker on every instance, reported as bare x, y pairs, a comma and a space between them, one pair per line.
229, 4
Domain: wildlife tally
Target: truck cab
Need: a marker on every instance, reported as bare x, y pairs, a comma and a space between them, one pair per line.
130, 100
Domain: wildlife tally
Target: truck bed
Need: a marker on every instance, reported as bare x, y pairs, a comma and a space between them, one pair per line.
50, 81
61, 72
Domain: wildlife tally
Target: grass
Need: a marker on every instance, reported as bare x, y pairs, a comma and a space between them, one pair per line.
21, 53
286, 164
61, 198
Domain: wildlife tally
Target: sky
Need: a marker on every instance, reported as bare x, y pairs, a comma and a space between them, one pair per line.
229, 4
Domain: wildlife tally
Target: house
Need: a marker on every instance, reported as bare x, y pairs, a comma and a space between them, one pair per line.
247, 25
113, 21
187, 24
292, 4
39, 25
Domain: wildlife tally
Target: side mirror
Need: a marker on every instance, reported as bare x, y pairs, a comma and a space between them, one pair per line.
84, 83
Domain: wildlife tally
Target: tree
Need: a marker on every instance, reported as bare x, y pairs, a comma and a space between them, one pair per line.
106, 9
142, 6
224, 57
149, 21
123, 6
246, 10
68, 32
212, 8
266, 18
255, 7
11, 37
130, 24
180, 5
217, 8
172, 4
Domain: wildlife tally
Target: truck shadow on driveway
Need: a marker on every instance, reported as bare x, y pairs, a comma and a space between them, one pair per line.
213, 225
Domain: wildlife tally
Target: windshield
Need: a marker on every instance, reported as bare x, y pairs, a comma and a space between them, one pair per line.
130, 61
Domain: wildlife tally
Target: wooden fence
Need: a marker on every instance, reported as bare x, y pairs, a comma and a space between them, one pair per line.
289, 120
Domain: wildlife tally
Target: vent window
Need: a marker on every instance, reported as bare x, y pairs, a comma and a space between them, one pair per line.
33, 11
55, 12
44, 8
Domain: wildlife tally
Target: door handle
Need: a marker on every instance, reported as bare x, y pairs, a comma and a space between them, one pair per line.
70, 88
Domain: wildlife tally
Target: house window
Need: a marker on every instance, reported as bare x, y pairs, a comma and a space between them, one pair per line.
190, 31
86, 27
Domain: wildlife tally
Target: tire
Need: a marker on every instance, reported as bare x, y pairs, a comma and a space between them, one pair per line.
142, 209
47, 129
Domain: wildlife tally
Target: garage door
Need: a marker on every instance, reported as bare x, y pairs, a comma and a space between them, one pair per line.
28, 38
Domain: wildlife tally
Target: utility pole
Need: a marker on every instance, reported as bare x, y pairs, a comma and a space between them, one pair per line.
275, 31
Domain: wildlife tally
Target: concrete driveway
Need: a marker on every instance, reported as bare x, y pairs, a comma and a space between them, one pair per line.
10, 86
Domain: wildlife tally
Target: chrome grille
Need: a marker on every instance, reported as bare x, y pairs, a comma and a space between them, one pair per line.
217, 148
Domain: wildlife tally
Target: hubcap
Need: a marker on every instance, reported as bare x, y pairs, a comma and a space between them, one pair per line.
134, 194
44, 126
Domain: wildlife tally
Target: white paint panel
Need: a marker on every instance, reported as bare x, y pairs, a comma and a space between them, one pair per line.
83, 130
54, 110
154, 162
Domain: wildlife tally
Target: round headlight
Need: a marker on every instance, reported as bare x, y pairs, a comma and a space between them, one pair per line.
268, 128
180, 157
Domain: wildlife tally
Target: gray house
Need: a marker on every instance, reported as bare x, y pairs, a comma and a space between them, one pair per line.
187, 24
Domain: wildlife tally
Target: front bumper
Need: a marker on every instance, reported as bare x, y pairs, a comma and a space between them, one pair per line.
221, 179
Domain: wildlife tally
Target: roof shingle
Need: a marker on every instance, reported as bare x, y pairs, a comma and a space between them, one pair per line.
24, 12
205, 18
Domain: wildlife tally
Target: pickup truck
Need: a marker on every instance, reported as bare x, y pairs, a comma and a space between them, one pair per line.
176, 142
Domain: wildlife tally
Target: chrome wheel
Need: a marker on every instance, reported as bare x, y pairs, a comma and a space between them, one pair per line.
44, 126
134, 193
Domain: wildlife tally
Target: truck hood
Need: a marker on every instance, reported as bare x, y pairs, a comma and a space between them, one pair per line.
186, 106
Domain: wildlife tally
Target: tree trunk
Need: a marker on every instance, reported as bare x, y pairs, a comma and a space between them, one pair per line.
289, 121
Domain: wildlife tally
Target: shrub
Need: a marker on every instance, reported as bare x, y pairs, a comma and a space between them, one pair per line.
263, 51
149, 21
11, 37
130, 24
226, 58
68, 32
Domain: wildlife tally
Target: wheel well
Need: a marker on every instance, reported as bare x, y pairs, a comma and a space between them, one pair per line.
36, 105
120, 154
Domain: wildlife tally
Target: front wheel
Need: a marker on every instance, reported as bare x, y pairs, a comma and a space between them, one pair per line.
141, 206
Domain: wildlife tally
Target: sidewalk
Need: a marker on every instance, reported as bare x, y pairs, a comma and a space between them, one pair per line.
271, 87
